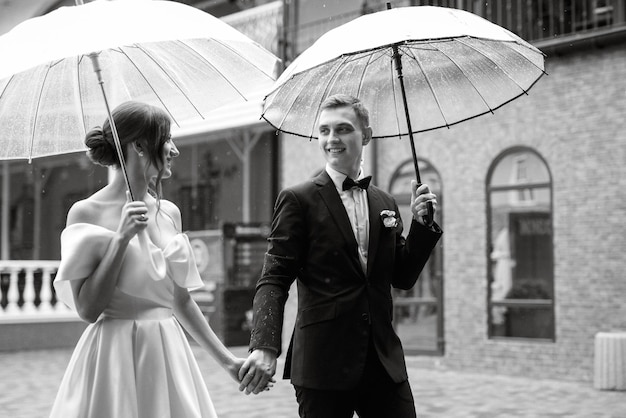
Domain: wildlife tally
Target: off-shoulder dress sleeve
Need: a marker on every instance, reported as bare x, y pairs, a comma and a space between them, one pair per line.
181, 263
82, 247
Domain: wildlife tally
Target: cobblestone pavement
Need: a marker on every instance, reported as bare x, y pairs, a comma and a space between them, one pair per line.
29, 380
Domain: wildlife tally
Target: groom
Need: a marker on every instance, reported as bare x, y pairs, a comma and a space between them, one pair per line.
341, 239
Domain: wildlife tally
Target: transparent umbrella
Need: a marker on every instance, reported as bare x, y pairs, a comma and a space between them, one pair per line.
62, 73
415, 69
160, 52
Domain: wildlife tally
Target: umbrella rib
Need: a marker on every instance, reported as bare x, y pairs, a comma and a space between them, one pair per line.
191, 48
243, 57
496, 64
170, 77
147, 82
293, 76
466, 76
430, 86
6, 86
513, 50
32, 137
331, 82
80, 94
288, 132
369, 60
287, 111
323, 96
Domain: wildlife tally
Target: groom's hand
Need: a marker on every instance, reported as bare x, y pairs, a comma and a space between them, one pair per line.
257, 371
421, 196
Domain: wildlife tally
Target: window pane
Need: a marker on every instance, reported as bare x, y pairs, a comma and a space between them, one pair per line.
521, 257
416, 325
508, 200
532, 250
417, 311
196, 206
525, 323
521, 167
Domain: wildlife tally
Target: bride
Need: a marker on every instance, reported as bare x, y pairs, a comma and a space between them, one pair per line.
127, 268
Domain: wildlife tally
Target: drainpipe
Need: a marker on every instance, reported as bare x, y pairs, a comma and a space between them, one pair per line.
37, 188
6, 193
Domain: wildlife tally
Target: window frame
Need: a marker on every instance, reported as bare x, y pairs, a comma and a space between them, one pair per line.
405, 169
533, 304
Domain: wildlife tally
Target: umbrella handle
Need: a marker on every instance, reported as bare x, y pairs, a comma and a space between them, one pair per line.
428, 218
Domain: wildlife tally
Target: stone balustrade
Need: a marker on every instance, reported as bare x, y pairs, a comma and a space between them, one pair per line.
27, 292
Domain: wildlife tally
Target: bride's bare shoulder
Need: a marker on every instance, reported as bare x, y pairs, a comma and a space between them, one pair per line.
90, 210
173, 212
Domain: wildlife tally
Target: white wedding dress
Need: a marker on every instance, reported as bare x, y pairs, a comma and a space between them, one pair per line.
134, 361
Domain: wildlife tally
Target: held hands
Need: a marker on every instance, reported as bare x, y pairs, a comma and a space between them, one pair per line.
419, 197
233, 367
134, 218
256, 374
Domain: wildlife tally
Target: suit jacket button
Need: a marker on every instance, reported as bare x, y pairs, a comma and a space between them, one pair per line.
365, 317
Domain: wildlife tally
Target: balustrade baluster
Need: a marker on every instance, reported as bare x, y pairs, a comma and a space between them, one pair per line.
45, 294
13, 295
4, 288
24, 298
28, 295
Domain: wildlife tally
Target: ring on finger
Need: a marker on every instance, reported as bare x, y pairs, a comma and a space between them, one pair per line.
142, 217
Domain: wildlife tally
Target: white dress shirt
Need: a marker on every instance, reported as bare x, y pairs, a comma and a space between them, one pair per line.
355, 202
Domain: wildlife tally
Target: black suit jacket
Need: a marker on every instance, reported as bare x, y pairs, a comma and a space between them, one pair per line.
339, 306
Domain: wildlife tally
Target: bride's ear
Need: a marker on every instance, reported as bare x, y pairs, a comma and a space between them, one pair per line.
138, 148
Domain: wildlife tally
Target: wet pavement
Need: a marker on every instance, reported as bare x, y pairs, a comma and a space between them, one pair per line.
29, 380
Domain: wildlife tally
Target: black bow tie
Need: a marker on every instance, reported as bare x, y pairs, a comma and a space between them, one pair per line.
364, 183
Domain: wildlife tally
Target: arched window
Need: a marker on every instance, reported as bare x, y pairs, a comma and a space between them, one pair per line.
520, 256
418, 312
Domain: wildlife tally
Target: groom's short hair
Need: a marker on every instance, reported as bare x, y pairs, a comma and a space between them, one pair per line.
341, 100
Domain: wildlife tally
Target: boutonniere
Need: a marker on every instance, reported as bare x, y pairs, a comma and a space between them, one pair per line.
389, 218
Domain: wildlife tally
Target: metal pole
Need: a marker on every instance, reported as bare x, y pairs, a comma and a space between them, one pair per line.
428, 219
249, 142
6, 202
116, 138
245, 172
398, 61
37, 188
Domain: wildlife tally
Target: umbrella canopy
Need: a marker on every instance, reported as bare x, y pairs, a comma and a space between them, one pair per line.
160, 52
455, 66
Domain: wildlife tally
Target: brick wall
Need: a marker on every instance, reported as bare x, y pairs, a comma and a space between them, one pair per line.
575, 118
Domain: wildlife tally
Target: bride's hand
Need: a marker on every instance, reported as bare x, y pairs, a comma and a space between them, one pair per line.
233, 367
257, 373
134, 218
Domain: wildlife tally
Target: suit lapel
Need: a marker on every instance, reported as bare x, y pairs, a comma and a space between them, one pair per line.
376, 205
337, 210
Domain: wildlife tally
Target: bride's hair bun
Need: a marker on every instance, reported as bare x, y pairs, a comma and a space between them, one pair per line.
136, 122
100, 150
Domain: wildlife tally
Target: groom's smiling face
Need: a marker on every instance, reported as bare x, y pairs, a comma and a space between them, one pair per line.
341, 139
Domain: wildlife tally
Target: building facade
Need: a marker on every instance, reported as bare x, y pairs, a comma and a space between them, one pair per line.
531, 198
227, 173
